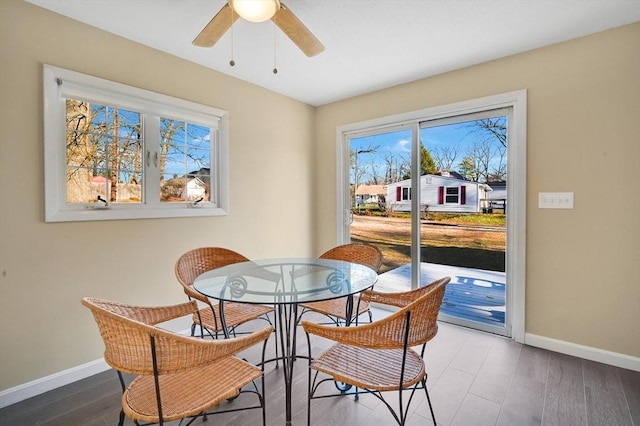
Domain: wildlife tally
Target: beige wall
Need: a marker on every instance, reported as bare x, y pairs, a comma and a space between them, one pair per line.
583, 273
45, 269
583, 136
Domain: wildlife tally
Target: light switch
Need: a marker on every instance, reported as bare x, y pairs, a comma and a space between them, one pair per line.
555, 200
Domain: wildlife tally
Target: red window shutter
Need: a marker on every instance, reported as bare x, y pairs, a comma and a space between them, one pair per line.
463, 195
441, 195
398, 193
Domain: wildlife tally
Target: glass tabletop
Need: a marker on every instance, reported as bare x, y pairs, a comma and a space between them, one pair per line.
285, 281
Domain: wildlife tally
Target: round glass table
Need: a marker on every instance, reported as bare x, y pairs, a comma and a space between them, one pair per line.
284, 283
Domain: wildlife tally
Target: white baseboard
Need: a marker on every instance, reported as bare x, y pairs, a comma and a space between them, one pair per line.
45, 384
586, 352
56, 380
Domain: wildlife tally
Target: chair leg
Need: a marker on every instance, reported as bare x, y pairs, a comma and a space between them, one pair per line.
424, 384
309, 400
264, 403
309, 385
275, 340
124, 387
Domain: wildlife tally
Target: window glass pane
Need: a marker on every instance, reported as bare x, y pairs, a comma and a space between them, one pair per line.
452, 195
406, 193
185, 163
103, 153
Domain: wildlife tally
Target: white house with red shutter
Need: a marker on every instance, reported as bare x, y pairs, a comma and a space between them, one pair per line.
447, 192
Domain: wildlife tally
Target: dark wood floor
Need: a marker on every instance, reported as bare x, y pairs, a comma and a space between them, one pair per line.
475, 378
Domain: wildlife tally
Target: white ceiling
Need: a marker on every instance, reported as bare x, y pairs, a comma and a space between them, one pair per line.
370, 44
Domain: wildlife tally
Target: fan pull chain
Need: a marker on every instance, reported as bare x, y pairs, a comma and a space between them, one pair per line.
232, 62
275, 68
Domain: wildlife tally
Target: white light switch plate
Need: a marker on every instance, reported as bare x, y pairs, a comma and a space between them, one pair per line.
555, 200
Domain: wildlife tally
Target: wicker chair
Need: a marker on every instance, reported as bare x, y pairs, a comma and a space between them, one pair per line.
179, 376
200, 260
336, 309
378, 357
399, 299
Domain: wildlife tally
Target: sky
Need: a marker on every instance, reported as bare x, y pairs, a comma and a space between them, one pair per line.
398, 145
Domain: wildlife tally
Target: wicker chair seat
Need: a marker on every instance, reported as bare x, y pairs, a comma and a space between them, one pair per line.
190, 393
234, 315
359, 372
337, 307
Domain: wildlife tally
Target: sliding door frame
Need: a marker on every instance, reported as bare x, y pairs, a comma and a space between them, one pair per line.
516, 189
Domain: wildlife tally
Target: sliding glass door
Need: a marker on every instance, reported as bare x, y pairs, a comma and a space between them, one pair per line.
381, 215
465, 235
434, 190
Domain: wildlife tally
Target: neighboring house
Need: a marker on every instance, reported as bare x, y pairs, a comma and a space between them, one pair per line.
370, 194
447, 193
498, 190
174, 189
498, 196
196, 189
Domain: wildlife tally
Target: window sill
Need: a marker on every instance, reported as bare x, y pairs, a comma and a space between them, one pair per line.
123, 213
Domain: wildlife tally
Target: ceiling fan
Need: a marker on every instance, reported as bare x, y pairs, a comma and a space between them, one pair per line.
259, 11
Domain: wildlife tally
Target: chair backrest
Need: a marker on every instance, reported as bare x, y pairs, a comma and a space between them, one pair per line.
200, 260
400, 299
424, 312
127, 331
365, 254
423, 322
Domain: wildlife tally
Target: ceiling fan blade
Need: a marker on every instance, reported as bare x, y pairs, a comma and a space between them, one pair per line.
297, 32
216, 28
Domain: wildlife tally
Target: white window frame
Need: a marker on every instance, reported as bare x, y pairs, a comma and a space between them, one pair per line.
58, 82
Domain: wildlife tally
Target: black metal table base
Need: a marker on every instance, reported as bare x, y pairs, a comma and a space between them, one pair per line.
286, 326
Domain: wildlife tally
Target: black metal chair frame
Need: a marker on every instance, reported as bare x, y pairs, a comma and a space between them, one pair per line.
400, 416
369, 344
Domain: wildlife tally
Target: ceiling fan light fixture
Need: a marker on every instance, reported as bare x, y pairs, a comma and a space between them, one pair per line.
255, 10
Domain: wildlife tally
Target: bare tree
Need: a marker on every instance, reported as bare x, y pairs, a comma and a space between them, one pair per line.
479, 163
394, 167
494, 128
484, 153
404, 167
358, 172
445, 156
376, 178
498, 171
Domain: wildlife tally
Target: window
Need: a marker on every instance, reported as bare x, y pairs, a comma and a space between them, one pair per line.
118, 152
403, 193
452, 194
406, 194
